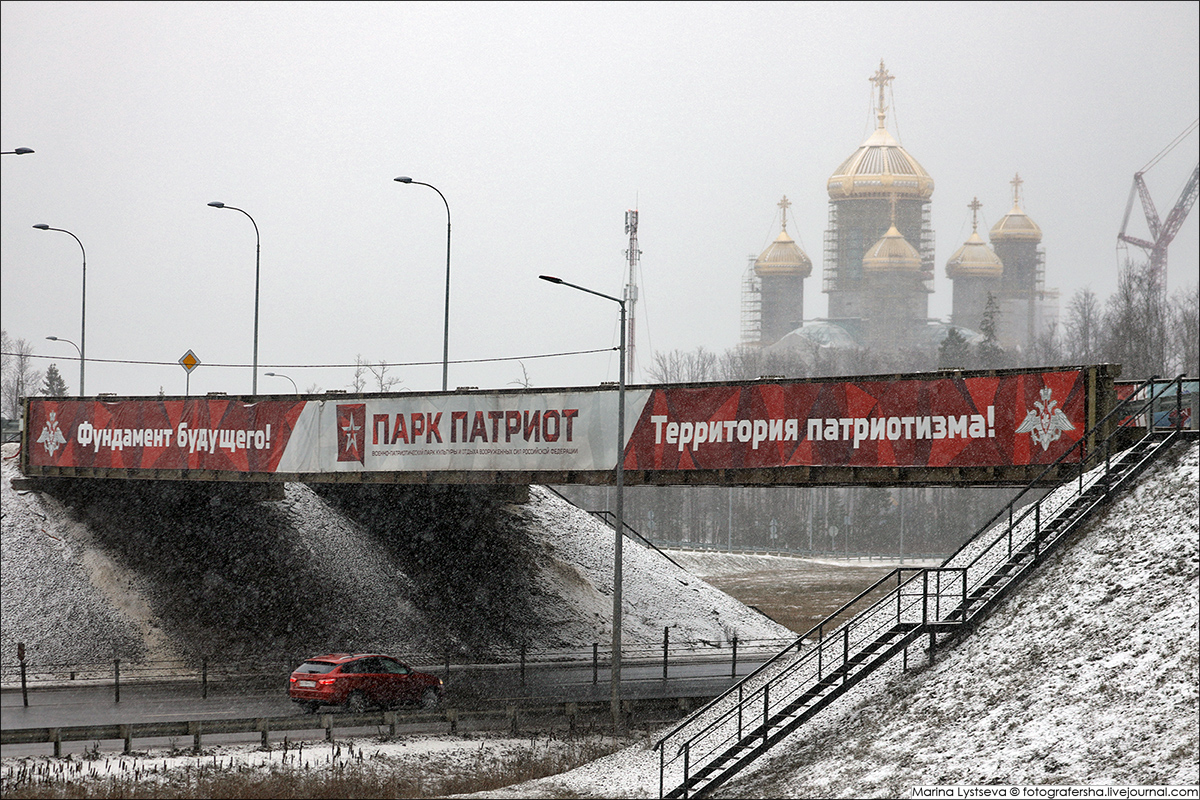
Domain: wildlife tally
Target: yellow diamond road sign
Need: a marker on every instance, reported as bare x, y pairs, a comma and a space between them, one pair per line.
189, 361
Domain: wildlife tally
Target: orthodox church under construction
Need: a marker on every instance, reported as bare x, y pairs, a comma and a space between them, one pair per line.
879, 265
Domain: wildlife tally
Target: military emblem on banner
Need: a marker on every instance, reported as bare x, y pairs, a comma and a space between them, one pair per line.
352, 432
1046, 425
52, 435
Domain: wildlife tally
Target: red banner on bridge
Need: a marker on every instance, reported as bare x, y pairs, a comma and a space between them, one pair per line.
1017, 419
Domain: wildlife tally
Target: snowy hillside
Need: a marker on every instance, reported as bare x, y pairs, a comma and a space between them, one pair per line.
1087, 675
160, 577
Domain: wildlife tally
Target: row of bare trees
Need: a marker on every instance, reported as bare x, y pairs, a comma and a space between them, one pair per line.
19, 377
1139, 327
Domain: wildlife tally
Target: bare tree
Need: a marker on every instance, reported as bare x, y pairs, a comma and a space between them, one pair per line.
1081, 340
679, 366
524, 383
1046, 349
359, 382
1184, 325
20, 379
382, 380
1135, 323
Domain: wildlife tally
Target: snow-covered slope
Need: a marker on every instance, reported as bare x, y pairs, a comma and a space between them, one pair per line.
1087, 675
183, 576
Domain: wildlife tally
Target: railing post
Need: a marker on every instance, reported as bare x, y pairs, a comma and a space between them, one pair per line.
116, 680
740, 706
845, 652
1010, 528
666, 642
204, 679
595, 662
924, 597
1037, 530
687, 752
964, 593
662, 754
733, 668
766, 711
24, 687
1178, 403
937, 598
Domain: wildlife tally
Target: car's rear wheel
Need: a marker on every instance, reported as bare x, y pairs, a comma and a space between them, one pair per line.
430, 699
356, 703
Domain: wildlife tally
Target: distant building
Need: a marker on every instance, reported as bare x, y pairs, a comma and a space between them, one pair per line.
977, 275
1027, 308
879, 264
781, 270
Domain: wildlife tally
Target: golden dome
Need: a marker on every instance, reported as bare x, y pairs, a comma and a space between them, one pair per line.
1016, 226
880, 166
892, 253
974, 259
783, 257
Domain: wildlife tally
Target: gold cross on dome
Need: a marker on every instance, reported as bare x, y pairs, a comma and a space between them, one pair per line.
1016, 184
881, 79
784, 204
974, 205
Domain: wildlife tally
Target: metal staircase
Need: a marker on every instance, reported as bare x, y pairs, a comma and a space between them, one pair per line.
904, 608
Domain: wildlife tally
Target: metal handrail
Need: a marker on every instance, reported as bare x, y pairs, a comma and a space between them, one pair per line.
750, 703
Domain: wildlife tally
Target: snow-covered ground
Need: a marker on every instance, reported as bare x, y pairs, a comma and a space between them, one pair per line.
73, 587
1088, 674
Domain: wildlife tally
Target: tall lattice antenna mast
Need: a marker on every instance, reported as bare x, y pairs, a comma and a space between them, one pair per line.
631, 289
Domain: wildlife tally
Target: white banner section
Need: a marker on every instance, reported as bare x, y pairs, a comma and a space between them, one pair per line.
504, 431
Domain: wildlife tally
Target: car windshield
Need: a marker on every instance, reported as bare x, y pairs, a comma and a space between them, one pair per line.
315, 667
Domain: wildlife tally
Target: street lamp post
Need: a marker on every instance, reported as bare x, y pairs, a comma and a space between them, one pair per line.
83, 305
281, 375
77, 350
446, 317
620, 521
257, 255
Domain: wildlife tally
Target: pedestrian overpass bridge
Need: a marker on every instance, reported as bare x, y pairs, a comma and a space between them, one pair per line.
948, 428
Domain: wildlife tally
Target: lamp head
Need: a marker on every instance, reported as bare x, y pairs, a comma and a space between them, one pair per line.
550, 278
41, 226
404, 179
270, 374
21, 151
52, 338
216, 204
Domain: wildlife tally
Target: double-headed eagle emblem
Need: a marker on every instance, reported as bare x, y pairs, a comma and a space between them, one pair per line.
1046, 424
52, 435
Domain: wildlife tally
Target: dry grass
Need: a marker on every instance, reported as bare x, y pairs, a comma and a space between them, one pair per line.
349, 773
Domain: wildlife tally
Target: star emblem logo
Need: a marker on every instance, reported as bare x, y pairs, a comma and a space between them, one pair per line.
351, 437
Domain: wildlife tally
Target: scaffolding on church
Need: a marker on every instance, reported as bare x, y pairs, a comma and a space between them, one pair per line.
751, 306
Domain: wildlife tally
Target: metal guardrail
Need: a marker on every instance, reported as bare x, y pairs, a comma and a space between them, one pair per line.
512, 663
515, 716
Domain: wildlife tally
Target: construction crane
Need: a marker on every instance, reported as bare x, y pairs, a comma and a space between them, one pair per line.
1161, 231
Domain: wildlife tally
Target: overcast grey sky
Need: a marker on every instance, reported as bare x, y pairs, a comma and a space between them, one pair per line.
541, 124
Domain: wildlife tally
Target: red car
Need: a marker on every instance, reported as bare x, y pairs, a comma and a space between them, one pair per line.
361, 680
